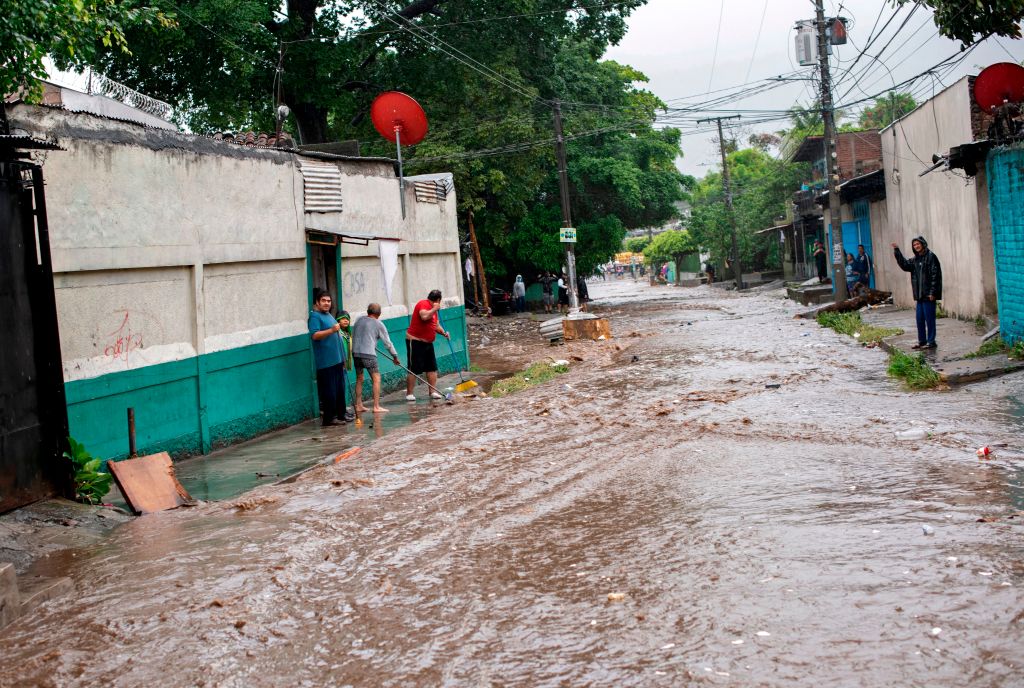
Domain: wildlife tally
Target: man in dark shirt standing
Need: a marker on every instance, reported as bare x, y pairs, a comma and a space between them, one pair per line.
330, 360
926, 282
547, 294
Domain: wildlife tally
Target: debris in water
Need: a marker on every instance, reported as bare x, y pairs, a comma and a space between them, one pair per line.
928, 530
255, 502
912, 434
260, 474
616, 596
763, 634
635, 359
216, 603
669, 646
936, 630
738, 641
773, 386
240, 623
984, 453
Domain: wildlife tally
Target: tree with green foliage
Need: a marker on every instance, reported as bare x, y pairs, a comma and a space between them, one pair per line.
673, 245
886, 110
72, 32
969, 22
636, 244
491, 119
221, 65
762, 188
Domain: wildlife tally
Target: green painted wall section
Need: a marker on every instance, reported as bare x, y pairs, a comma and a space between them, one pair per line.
190, 406
194, 405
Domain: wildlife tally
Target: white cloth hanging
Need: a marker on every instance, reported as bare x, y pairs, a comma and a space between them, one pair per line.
388, 251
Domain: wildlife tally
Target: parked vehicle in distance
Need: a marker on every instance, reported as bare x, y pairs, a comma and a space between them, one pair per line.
502, 302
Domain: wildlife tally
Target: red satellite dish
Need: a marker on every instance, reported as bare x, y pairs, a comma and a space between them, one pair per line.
398, 117
1003, 81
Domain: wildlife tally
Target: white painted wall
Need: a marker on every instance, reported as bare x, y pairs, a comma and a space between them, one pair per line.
167, 246
428, 248
941, 206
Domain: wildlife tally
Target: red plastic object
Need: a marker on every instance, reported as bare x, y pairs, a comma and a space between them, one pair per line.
393, 109
999, 82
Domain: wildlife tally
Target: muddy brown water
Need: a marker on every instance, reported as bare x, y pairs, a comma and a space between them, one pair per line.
757, 537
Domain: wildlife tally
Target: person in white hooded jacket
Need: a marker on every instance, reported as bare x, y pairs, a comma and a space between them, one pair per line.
519, 294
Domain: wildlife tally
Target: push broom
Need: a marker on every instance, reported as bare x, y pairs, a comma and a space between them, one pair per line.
465, 384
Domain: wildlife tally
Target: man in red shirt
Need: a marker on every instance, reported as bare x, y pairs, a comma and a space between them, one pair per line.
419, 344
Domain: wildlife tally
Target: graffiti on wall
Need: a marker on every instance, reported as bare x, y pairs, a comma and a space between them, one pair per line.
355, 283
123, 340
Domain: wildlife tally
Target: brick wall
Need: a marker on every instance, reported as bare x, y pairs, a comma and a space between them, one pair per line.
1005, 170
859, 152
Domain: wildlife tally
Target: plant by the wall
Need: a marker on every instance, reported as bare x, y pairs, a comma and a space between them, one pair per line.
91, 484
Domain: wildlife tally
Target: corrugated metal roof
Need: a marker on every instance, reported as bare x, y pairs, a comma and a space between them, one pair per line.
321, 186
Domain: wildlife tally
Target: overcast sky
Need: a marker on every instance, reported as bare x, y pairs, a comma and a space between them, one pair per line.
673, 43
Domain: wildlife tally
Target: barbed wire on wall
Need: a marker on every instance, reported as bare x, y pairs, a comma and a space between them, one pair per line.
100, 84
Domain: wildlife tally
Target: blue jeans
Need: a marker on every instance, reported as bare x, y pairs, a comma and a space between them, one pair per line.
925, 322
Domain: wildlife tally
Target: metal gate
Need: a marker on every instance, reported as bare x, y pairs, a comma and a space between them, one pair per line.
33, 414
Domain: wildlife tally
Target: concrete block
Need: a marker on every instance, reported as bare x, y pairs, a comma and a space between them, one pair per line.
10, 598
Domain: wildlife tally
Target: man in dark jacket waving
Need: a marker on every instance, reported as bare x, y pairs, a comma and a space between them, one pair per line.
926, 281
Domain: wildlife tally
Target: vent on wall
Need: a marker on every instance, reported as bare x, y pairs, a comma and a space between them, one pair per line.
321, 186
433, 191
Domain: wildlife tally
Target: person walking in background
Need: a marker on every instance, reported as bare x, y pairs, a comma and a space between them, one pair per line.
519, 294
709, 270
419, 344
582, 293
821, 261
862, 266
365, 335
547, 291
926, 283
329, 356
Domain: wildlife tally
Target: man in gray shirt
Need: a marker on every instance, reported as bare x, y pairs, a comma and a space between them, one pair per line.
365, 335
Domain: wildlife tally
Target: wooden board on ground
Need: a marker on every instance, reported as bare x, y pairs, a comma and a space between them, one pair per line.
148, 483
586, 329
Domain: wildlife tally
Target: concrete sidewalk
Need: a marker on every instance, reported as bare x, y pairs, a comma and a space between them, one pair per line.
956, 340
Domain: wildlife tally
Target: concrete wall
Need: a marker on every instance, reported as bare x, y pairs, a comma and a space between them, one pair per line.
941, 206
1005, 169
182, 284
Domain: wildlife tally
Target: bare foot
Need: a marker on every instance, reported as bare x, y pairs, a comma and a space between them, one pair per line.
379, 409
360, 409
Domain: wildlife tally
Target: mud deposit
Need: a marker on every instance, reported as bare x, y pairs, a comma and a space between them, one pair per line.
657, 516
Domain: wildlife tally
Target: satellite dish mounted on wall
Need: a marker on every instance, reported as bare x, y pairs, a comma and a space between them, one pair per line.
1000, 83
399, 118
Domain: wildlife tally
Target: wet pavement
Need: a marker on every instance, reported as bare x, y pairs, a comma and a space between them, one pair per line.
714, 497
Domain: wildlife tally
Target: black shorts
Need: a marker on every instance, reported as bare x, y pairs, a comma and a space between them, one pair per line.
420, 356
367, 363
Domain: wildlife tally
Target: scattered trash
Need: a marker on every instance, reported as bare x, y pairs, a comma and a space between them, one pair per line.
763, 634
669, 646
984, 453
341, 456
936, 630
635, 359
773, 386
239, 624
616, 596
353, 482
738, 641
912, 434
260, 474
856, 335
601, 338
928, 530
255, 502
561, 362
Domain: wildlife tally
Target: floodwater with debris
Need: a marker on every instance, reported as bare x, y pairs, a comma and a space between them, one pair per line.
715, 497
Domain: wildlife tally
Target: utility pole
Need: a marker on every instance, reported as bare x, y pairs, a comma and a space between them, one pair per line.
563, 187
481, 276
831, 160
737, 269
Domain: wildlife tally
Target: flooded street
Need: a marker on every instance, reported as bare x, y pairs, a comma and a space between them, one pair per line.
715, 497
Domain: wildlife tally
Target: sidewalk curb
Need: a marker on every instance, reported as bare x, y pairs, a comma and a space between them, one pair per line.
970, 370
